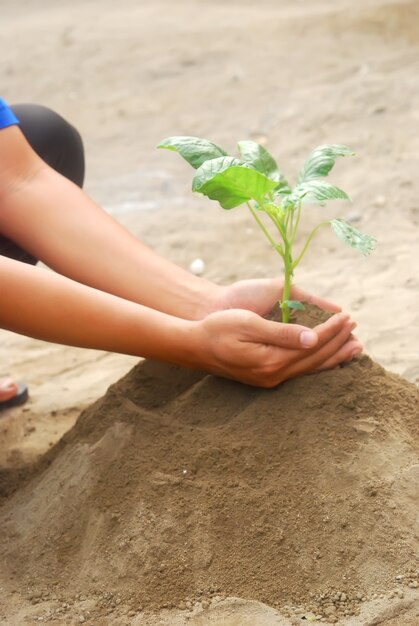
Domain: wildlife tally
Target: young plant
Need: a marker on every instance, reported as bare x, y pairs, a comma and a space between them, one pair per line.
255, 180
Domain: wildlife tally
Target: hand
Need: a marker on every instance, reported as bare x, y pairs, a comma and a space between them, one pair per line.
260, 296
241, 345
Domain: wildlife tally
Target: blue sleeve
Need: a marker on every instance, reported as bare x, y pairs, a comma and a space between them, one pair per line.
7, 117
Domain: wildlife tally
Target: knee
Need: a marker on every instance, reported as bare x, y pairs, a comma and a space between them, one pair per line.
56, 141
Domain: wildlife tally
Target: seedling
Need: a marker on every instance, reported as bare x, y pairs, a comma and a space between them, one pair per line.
255, 180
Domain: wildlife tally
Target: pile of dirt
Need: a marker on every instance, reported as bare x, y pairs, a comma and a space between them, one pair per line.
177, 486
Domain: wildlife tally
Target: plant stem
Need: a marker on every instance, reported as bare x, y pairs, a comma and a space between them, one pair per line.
289, 218
288, 270
297, 221
279, 225
262, 227
286, 255
307, 243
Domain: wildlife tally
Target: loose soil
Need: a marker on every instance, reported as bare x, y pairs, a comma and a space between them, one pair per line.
178, 487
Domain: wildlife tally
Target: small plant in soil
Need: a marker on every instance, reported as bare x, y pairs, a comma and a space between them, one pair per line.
254, 179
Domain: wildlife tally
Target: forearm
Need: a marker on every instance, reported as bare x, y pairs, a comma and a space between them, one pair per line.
236, 344
45, 305
58, 223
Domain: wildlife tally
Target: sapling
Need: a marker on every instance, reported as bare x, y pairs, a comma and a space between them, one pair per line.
255, 180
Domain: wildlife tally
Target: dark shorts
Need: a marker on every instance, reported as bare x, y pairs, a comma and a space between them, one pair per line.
59, 144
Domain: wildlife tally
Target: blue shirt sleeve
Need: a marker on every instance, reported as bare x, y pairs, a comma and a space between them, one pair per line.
7, 117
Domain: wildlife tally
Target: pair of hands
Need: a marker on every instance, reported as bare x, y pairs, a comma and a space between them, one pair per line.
238, 343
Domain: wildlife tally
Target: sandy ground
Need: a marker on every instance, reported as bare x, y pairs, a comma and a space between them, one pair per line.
290, 74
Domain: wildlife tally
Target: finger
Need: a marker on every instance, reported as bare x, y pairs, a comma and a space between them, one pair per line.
332, 327
347, 353
291, 336
295, 336
309, 298
332, 349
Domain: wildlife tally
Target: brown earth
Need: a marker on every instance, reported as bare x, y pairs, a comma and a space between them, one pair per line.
177, 487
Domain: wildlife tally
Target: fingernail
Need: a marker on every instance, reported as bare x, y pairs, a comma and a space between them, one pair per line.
355, 352
308, 339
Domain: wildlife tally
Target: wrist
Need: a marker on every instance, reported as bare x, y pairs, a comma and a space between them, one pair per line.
206, 297
186, 344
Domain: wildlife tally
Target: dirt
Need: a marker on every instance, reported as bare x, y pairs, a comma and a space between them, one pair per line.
179, 499
178, 487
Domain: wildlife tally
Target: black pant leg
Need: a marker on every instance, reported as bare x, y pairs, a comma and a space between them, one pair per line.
59, 144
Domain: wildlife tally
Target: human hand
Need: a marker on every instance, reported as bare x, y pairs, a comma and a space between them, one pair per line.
243, 346
260, 296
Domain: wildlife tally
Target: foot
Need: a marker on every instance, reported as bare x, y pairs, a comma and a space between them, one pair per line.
11, 393
8, 389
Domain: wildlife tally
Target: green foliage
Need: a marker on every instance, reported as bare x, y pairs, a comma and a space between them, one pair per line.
292, 304
193, 149
321, 161
256, 180
315, 191
352, 236
255, 154
231, 182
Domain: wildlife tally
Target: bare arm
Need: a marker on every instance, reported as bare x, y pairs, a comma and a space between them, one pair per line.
48, 306
58, 223
235, 344
131, 299
55, 221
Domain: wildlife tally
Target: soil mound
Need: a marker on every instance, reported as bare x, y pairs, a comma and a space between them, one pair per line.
178, 486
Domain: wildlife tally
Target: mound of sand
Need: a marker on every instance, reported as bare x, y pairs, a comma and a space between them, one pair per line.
176, 487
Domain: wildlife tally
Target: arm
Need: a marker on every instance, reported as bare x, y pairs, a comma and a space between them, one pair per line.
48, 306
235, 344
55, 221
58, 223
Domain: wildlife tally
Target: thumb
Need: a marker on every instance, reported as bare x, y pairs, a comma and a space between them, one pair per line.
287, 335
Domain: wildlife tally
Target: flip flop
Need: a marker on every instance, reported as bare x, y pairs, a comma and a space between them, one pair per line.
19, 398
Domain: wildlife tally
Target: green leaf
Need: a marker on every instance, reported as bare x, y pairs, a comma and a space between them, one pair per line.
255, 154
231, 182
193, 149
317, 191
282, 189
321, 161
352, 236
293, 304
